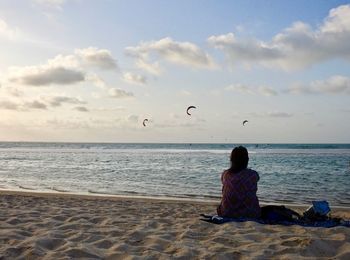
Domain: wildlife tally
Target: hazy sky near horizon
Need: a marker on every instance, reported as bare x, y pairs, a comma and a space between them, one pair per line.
91, 71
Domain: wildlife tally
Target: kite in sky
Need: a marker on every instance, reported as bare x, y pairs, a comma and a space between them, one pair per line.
190, 107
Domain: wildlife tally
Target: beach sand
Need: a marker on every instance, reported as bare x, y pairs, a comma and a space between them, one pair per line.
60, 226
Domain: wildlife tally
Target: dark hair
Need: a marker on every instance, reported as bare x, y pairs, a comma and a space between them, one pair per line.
239, 159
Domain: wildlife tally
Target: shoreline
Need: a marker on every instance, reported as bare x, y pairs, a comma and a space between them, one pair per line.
99, 196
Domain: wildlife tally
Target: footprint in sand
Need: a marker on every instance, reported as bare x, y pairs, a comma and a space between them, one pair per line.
297, 242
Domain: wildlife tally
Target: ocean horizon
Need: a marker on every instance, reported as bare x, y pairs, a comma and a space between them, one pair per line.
289, 173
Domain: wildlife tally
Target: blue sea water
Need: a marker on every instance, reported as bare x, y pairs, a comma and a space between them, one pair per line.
289, 173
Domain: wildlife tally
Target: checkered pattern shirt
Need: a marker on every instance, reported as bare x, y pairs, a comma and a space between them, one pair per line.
239, 194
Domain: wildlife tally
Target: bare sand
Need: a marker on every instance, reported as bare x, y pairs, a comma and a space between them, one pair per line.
61, 226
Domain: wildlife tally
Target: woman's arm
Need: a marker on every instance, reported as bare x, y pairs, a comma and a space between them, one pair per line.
227, 196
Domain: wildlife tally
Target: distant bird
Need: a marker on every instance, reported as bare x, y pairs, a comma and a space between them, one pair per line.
190, 107
245, 121
144, 122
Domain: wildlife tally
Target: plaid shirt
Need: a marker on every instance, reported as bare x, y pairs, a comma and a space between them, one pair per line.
239, 194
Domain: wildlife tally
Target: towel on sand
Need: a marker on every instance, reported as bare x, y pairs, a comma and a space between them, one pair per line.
331, 222
272, 214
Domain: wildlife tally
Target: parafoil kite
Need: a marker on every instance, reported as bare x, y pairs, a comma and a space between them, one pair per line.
188, 109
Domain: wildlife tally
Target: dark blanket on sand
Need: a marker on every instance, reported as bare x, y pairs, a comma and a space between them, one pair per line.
280, 215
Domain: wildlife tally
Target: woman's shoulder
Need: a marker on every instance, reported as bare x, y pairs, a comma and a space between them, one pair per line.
250, 172
225, 174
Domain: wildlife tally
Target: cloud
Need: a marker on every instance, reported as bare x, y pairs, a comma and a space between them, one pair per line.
71, 124
334, 85
8, 32
296, 47
132, 119
185, 93
244, 89
152, 68
119, 93
267, 91
182, 53
42, 103
36, 105
173, 125
240, 88
15, 92
65, 69
278, 114
57, 101
129, 121
114, 109
54, 4
96, 80
9, 105
22, 106
133, 78
61, 70
81, 109
46, 75
100, 58
176, 120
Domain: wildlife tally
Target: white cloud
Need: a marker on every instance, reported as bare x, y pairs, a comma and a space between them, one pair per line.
279, 114
267, 91
185, 93
132, 119
65, 69
244, 89
81, 109
9, 105
22, 106
42, 103
72, 124
240, 88
96, 80
114, 109
54, 4
35, 105
183, 53
152, 68
133, 78
15, 92
334, 85
45, 75
62, 70
296, 47
119, 93
8, 32
272, 114
57, 101
100, 58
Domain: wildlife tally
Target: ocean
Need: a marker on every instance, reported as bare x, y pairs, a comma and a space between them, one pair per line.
289, 173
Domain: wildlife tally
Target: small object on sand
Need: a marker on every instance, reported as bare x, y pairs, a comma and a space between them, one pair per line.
318, 210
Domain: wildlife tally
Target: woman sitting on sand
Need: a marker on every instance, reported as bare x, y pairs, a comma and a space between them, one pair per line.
239, 187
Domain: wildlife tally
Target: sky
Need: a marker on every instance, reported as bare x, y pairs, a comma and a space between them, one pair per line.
93, 70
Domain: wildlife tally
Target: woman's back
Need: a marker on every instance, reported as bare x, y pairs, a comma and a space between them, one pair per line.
239, 194
239, 187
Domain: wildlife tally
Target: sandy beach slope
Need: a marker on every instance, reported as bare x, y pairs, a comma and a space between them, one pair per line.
52, 226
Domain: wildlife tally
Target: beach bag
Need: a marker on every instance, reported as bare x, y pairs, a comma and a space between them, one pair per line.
273, 213
318, 211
